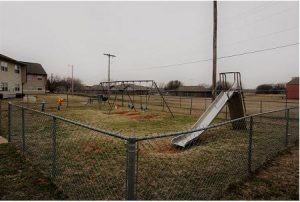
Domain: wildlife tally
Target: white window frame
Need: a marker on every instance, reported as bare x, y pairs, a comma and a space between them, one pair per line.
17, 69
4, 87
17, 87
4, 66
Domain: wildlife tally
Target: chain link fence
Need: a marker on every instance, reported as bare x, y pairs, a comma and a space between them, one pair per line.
94, 164
178, 104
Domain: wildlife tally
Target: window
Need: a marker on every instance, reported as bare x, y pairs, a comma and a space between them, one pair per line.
40, 88
17, 87
4, 66
3, 87
40, 78
17, 69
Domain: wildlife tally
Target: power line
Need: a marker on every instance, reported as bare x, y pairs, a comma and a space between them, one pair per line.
257, 51
223, 57
248, 26
247, 14
260, 36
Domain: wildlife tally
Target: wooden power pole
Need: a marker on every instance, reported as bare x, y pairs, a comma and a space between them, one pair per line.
108, 76
214, 74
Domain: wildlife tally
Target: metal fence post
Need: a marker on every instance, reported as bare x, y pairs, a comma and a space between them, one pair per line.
53, 147
131, 172
27, 100
122, 98
9, 122
67, 99
226, 111
287, 117
0, 116
250, 146
191, 105
180, 101
23, 130
260, 106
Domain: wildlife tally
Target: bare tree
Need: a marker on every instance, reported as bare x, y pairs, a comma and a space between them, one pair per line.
174, 84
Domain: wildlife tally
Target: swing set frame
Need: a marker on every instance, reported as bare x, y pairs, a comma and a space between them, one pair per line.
122, 86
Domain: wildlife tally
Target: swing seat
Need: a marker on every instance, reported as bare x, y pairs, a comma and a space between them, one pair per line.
130, 106
144, 108
103, 98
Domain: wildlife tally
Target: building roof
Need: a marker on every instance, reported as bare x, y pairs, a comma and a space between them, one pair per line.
11, 60
34, 68
295, 80
191, 89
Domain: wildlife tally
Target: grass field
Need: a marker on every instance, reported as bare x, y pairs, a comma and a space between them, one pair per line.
156, 119
91, 165
20, 181
277, 180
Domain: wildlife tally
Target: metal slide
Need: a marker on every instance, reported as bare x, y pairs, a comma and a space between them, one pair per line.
207, 117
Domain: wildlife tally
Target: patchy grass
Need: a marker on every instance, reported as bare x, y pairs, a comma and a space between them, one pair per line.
91, 165
20, 181
128, 123
277, 180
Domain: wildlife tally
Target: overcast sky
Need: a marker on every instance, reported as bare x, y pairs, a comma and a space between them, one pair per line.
146, 35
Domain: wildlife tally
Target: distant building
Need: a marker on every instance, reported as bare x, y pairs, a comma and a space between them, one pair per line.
18, 78
198, 91
36, 79
12, 77
292, 89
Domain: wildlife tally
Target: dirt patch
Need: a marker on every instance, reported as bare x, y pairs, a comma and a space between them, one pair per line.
142, 117
167, 148
136, 115
120, 112
91, 147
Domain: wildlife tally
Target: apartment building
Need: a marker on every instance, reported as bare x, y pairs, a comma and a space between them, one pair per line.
36, 79
12, 77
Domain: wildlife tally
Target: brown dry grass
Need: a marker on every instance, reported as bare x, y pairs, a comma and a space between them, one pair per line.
277, 180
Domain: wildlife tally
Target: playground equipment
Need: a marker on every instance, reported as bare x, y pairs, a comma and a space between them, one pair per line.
43, 105
60, 100
129, 88
98, 98
236, 104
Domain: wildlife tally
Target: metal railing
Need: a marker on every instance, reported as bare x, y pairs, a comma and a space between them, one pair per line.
87, 162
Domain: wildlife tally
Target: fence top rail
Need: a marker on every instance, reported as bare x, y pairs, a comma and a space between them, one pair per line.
126, 81
109, 133
171, 134
277, 101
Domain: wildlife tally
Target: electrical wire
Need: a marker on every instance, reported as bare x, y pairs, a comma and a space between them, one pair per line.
259, 37
224, 57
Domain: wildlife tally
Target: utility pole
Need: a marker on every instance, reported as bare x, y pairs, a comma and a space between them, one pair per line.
108, 78
72, 90
214, 74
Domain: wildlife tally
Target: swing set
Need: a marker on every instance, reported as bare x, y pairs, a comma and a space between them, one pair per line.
131, 89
